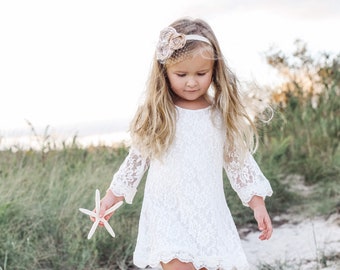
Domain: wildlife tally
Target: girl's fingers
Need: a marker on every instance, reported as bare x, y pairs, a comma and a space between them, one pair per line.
107, 217
267, 229
260, 225
114, 207
105, 211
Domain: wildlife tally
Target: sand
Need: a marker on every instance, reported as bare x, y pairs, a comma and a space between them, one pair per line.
309, 244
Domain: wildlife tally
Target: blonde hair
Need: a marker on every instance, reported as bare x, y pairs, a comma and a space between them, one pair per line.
153, 127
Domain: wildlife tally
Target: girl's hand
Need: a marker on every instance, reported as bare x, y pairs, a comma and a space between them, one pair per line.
105, 203
264, 222
262, 217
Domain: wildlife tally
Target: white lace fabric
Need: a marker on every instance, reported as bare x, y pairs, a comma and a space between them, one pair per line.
129, 175
246, 178
185, 214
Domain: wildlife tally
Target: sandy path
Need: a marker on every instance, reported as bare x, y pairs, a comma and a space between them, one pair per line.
298, 245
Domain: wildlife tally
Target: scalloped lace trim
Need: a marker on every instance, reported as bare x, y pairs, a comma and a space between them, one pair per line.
210, 264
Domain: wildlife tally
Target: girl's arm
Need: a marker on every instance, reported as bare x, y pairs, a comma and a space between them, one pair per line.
125, 182
252, 187
246, 178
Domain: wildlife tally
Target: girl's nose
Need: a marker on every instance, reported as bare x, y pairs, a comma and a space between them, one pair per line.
191, 82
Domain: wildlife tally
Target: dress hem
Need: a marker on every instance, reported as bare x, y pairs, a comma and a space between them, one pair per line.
197, 263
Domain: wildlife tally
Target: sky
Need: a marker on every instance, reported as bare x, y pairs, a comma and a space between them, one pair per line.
80, 67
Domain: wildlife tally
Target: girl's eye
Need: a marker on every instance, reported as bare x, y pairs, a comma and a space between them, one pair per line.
180, 74
201, 74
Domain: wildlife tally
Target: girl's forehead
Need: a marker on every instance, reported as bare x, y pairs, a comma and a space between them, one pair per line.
190, 50
194, 62
196, 58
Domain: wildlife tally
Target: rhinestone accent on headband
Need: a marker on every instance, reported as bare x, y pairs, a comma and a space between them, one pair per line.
170, 40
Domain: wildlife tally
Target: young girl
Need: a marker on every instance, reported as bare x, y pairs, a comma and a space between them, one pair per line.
191, 125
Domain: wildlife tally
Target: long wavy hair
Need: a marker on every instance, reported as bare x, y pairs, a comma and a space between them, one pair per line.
153, 126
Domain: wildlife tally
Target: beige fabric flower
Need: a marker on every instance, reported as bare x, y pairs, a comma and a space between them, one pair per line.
169, 41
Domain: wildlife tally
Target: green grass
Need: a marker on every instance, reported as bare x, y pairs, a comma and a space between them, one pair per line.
40, 225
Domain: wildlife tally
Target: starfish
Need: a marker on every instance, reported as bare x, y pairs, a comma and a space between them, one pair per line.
95, 214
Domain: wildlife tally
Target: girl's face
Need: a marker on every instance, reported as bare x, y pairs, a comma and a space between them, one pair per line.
190, 80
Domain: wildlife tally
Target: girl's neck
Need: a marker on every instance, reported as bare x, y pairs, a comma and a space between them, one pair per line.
192, 105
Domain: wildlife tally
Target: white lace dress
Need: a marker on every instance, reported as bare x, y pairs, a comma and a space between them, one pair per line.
184, 213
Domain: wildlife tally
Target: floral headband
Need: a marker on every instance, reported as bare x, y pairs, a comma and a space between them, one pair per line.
170, 40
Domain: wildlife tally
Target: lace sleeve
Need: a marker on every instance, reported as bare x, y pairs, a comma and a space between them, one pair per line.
126, 180
246, 178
